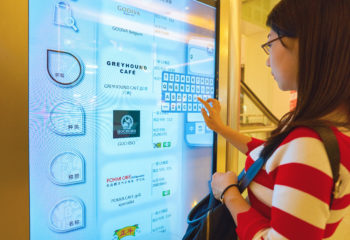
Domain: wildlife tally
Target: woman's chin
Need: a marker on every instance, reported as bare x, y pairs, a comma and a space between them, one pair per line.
282, 87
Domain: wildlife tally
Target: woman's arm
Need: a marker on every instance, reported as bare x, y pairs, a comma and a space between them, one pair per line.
297, 200
250, 224
232, 198
213, 120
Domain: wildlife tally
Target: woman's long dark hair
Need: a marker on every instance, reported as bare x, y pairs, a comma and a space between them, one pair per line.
323, 30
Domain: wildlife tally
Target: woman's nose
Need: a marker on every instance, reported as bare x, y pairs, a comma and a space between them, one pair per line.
268, 61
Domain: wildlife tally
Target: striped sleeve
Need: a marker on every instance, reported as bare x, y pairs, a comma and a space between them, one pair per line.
254, 143
301, 192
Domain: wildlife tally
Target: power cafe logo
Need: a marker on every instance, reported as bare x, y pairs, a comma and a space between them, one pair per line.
126, 124
128, 11
126, 231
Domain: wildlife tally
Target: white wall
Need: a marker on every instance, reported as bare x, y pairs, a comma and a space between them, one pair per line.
258, 76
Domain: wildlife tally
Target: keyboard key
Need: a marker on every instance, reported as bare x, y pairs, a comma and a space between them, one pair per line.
173, 107
200, 96
184, 107
211, 81
198, 89
165, 106
177, 78
193, 80
190, 128
184, 97
200, 107
200, 128
205, 97
193, 88
176, 87
211, 90
164, 86
166, 76
206, 81
182, 87
203, 89
188, 88
189, 107
194, 107
188, 79
207, 90
202, 81
170, 87
198, 80
182, 78
167, 96
173, 97
179, 97
178, 107
189, 98
171, 77
195, 98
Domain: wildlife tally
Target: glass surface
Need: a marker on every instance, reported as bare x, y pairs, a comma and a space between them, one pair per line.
118, 147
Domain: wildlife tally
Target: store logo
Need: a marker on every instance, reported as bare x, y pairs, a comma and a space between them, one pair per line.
117, 179
124, 232
128, 11
126, 65
127, 68
126, 124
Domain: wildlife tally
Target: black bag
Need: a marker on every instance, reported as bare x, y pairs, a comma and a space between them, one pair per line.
211, 220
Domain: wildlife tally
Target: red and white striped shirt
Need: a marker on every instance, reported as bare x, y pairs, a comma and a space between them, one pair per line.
290, 196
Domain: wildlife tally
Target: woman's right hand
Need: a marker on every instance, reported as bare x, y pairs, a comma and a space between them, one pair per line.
211, 114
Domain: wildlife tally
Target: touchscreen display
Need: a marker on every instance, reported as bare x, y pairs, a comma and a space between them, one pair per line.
118, 146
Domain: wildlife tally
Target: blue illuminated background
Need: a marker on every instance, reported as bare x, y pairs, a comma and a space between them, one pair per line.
118, 147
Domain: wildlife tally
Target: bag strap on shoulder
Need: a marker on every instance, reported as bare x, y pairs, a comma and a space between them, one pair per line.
332, 148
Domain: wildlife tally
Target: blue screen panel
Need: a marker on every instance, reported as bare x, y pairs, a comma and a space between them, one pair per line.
118, 146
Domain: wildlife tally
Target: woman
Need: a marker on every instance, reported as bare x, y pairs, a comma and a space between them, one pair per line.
309, 51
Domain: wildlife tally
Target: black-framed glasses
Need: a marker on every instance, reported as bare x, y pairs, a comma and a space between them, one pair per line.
267, 46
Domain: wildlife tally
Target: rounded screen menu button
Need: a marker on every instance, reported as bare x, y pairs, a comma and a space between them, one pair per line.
68, 119
64, 68
67, 168
67, 215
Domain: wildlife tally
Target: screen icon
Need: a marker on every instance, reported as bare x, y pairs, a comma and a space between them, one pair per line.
63, 16
126, 231
126, 124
